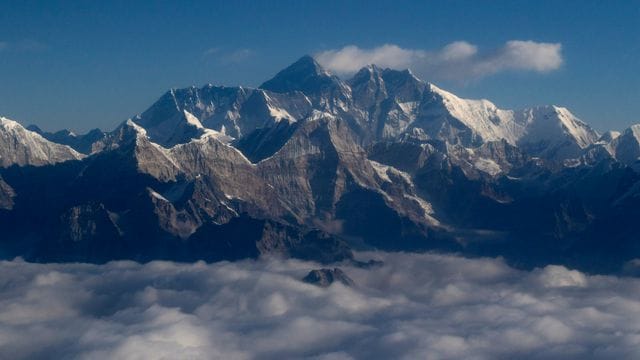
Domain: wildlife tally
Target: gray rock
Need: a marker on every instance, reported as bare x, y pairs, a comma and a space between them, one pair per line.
325, 277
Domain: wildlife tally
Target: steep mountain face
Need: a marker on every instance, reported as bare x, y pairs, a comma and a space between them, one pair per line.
554, 133
19, 146
180, 115
309, 165
626, 146
378, 105
6, 196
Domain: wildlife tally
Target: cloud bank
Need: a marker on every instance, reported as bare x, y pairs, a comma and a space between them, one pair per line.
458, 60
415, 306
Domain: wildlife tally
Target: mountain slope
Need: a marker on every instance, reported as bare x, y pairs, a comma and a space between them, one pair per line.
554, 133
309, 165
626, 146
19, 146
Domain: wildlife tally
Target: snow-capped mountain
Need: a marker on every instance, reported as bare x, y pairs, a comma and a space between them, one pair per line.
626, 146
19, 146
308, 164
552, 132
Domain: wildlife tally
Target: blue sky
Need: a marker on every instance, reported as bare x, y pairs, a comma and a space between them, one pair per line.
86, 64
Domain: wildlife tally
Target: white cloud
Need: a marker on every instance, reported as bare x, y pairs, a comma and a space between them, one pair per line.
458, 60
350, 59
415, 306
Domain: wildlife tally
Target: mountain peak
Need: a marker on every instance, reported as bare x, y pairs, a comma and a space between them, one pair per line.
367, 73
307, 61
400, 75
304, 75
21, 146
609, 136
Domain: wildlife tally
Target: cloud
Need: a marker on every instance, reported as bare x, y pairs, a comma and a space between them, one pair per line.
458, 60
415, 306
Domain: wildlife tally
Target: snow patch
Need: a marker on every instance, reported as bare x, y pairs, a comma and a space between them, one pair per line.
488, 166
192, 119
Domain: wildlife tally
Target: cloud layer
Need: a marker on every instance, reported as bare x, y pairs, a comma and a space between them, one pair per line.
415, 306
459, 60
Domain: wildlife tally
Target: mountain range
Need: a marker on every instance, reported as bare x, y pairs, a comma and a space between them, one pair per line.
309, 165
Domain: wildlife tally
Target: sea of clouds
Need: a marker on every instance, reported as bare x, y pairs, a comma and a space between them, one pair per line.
415, 306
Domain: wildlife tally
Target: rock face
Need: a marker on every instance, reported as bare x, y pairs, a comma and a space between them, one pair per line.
326, 277
309, 165
6, 195
19, 146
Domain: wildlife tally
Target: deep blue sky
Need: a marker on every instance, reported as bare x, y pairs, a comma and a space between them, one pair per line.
85, 64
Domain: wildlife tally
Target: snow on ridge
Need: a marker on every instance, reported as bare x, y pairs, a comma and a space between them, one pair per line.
635, 130
482, 116
157, 195
276, 112
192, 119
552, 123
140, 131
21, 146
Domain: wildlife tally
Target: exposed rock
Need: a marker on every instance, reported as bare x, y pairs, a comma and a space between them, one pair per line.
325, 277
6, 195
384, 160
19, 146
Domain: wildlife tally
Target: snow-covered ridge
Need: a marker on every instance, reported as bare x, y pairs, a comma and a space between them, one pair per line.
19, 146
545, 123
379, 105
482, 116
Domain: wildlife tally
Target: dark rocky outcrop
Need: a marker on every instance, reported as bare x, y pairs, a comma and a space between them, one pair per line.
325, 277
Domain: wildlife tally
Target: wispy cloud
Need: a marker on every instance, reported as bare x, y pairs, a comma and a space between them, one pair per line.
458, 60
414, 306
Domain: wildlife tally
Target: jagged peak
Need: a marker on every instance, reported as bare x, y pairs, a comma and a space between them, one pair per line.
557, 112
609, 136
137, 129
27, 147
369, 70
635, 130
307, 62
400, 76
304, 75
450, 98
14, 126
632, 133
403, 84
369, 73
8, 123
129, 132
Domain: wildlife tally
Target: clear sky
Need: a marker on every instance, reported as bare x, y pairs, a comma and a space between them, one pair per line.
85, 64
